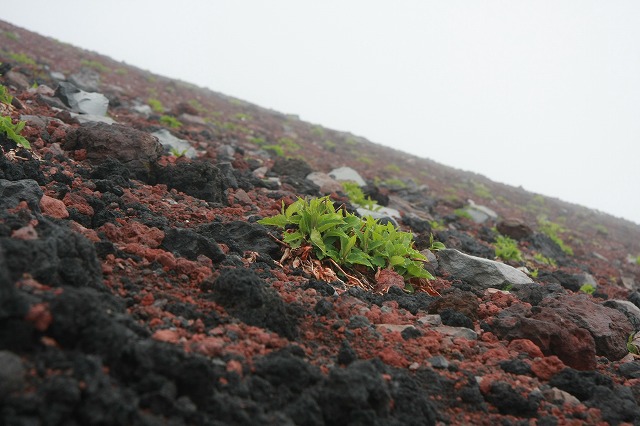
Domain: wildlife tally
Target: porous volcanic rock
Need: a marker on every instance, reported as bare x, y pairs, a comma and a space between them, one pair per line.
137, 150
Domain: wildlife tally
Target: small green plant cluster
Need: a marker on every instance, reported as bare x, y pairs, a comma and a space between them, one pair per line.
393, 168
463, 214
365, 160
481, 190
356, 196
98, 66
170, 121
538, 257
588, 288
638, 260
394, 183
11, 35
155, 105
12, 131
507, 249
288, 145
552, 230
21, 58
5, 96
633, 345
176, 152
242, 117
347, 239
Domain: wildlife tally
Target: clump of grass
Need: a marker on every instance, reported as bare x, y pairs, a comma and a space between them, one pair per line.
98, 66
462, 213
538, 257
552, 230
170, 121
507, 249
12, 131
155, 105
356, 196
588, 288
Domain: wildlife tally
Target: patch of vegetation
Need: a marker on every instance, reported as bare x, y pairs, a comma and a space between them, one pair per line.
638, 260
393, 168
21, 58
481, 190
348, 241
197, 105
276, 149
602, 230
98, 66
351, 142
317, 131
155, 105
436, 226
507, 249
288, 145
5, 96
12, 131
170, 121
365, 160
330, 144
356, 196
242, 117
633, 343
462, 213
176, 152
11, 35
538, 257
588, 288
122, 71
435, 245
552, 230
394, 183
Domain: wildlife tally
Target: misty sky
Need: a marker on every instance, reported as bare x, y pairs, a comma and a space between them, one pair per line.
543, 94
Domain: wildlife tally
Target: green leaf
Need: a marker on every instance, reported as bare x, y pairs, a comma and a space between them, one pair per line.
280, 221
357, 257
316, 239
396, 260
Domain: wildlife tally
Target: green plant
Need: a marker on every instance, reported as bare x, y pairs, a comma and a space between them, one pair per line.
551, 230
435, 245
633, 346
394, 168
242, 117
365, 160
11, 35
507, 249
538, 257
330, 144
155, 105
176, 152
171, 121
507, 287
356, 196
436, 226
21, 58
463, 214
288, 145
347, 240
5, 97
534, 273
638, 260
481, 190
276, 149
121, 71
397, 183
588, 288
95, 65
317, 131
12, 131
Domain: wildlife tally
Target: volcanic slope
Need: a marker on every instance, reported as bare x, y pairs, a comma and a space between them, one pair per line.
137, 286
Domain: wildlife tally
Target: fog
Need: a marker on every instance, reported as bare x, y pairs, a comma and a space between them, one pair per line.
541, 94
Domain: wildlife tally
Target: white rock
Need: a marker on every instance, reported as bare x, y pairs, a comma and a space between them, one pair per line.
347, 174
180, 145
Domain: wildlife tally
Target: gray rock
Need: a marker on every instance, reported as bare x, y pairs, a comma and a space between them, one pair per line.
82, 102
326, 183
90, 118
631, 311
16, 79
439, 362
87, 79
144, 110
169, 142
57, 75
12, 192
629, 283
11, 374
383, 214
483, 273
347, 174
480, 214
457, 332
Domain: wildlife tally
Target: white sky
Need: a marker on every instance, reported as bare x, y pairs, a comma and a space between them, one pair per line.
543, 94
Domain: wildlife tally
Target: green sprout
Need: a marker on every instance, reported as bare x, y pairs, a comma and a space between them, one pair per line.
12, 131
551, 230
5, 96
588, 288
176, 152
155, 105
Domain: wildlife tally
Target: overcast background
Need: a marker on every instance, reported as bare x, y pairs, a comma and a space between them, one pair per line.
543, 94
